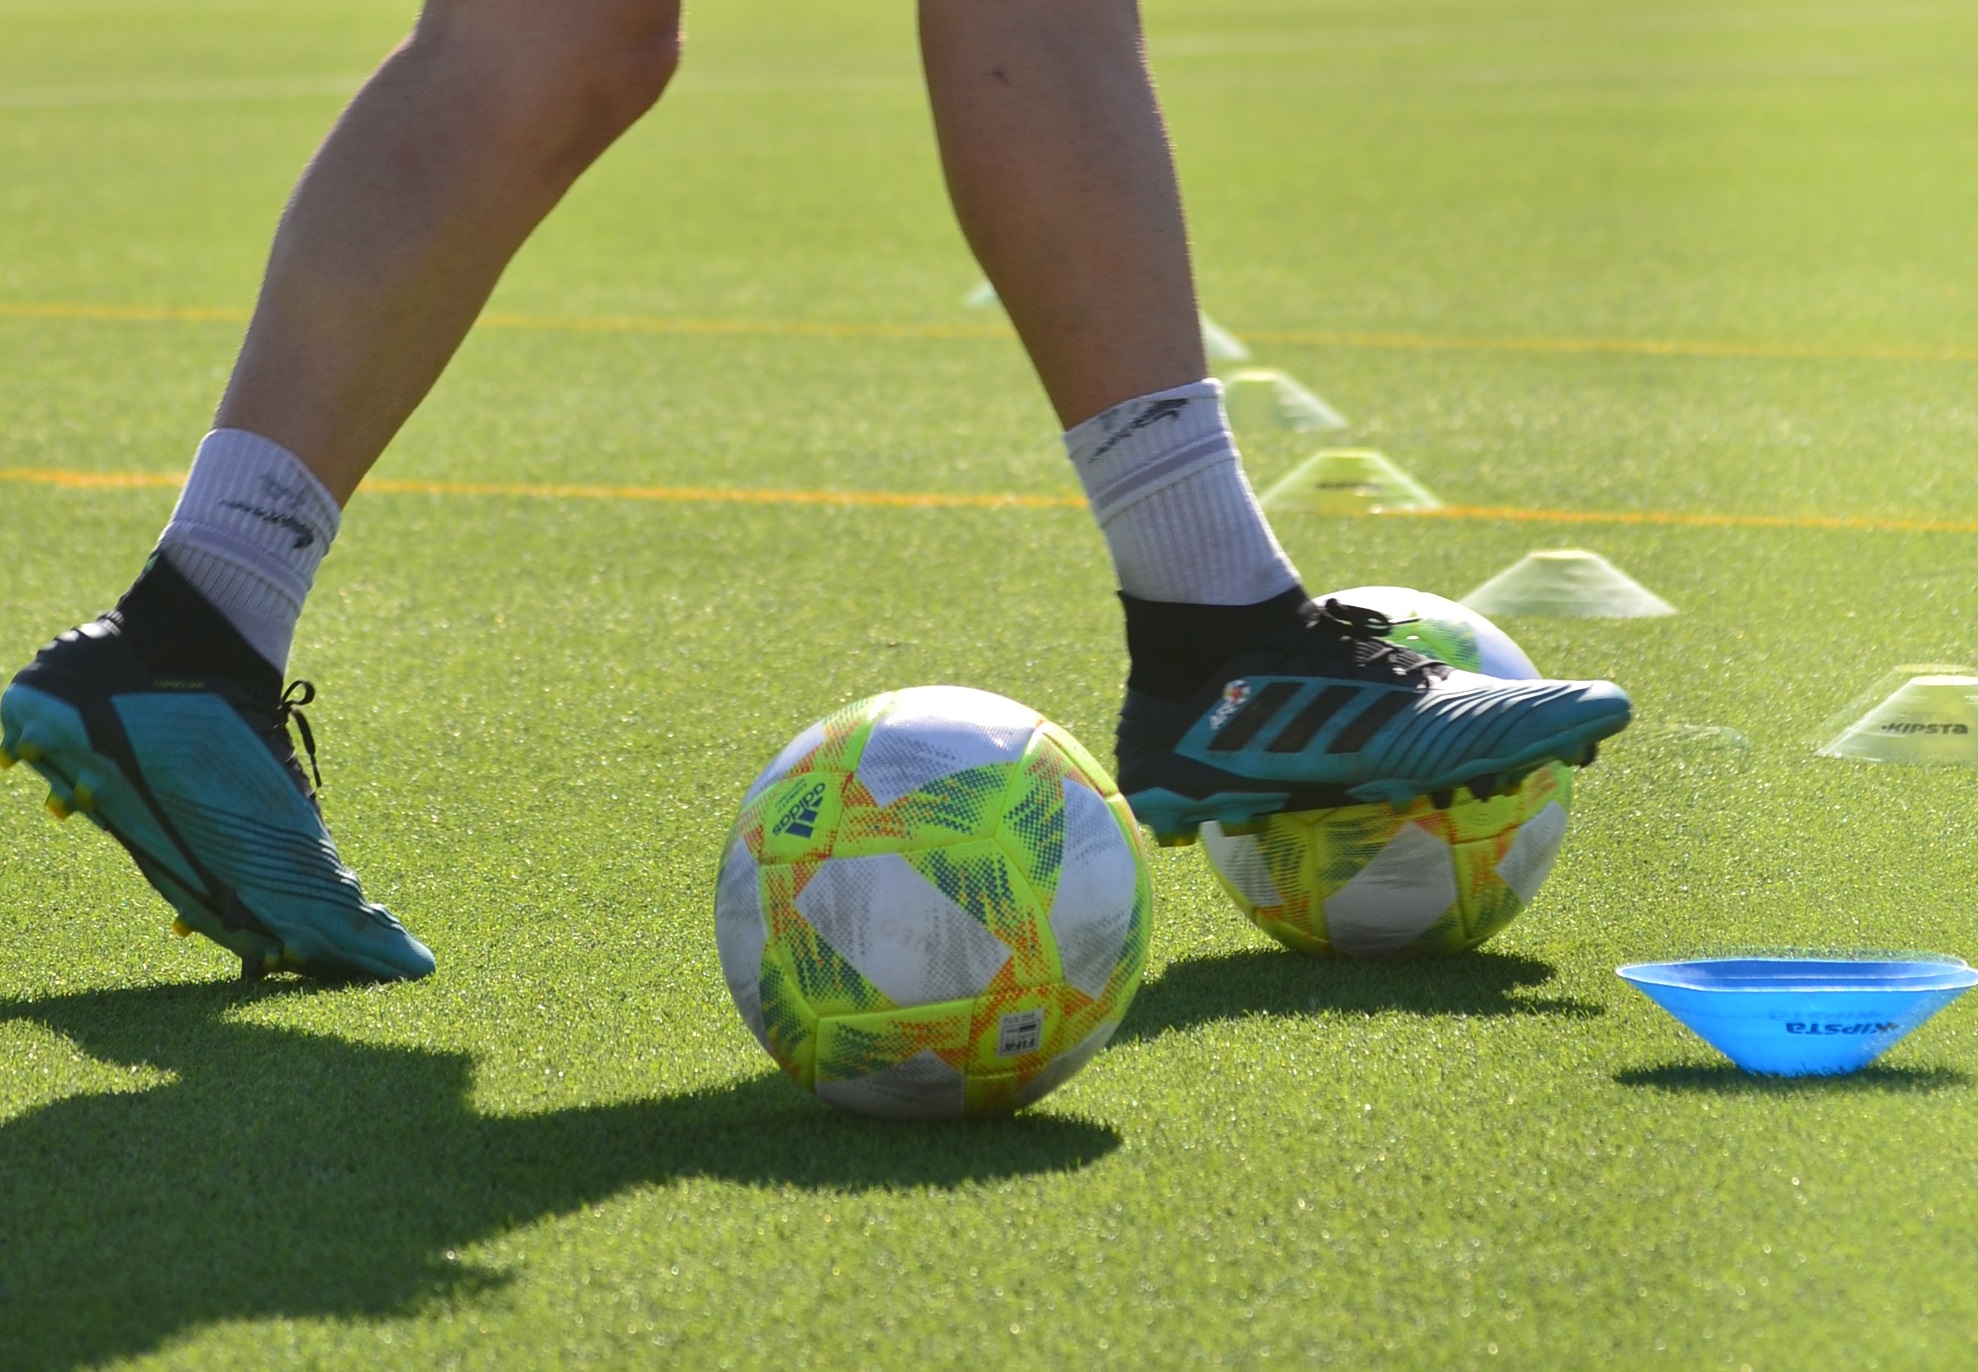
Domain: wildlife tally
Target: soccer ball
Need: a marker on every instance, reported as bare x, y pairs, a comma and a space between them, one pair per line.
1372, 881
933, 904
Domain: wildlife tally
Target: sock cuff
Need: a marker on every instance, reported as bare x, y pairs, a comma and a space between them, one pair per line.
251, 502
1145, 445
248, 533
259, 479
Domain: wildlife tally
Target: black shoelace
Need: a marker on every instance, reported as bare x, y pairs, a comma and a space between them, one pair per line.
1366, 631
299, 694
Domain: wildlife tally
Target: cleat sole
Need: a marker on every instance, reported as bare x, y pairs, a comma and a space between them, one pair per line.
1174, 817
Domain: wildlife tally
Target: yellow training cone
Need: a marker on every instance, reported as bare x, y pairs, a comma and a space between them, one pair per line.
1264, 398
1348, 481
1569, 581
1222, 345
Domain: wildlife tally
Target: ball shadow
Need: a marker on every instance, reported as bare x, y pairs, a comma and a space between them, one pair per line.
283, 1173
1721, 1078
1261, 981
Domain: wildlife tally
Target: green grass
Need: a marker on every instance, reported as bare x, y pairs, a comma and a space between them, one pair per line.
538, 714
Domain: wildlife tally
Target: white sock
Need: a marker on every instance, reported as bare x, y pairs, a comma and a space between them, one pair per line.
251, 526
1170, 495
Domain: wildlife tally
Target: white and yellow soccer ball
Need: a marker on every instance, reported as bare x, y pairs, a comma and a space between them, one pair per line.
933, 904
1373, 881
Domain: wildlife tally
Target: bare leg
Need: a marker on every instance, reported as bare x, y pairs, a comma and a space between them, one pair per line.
403, 222
1058, 163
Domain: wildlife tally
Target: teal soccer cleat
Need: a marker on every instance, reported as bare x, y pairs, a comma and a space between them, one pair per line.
198, 780
1327, 713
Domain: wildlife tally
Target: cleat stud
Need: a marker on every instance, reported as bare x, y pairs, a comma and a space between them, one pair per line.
84, 798
1444, 798
1247, 826
7, 759
180, 929
1484, 788
1174, 840
1588, 758
27, 752
56, 806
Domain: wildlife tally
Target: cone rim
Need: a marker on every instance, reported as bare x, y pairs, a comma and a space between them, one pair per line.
1951, 974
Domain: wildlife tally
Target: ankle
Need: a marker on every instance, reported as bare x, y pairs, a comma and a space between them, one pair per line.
1175, 649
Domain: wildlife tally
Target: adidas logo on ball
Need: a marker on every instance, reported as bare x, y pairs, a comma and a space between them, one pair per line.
800, 820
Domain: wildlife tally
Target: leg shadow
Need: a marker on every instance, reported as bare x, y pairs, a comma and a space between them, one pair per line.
1263, 982
286, 1173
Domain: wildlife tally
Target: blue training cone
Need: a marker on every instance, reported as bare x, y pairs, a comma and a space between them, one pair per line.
1802, 1016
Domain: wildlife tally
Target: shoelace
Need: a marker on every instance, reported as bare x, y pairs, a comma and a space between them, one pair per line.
299, 694
1370, 628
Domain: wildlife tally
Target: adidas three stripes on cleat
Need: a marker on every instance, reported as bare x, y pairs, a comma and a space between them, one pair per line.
198, 780
1327, 712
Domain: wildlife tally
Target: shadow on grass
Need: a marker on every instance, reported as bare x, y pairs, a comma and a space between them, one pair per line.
1722, 1078
1266, 982
286, 1173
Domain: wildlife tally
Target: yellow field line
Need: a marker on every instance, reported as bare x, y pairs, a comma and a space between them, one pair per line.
576, 323
798, 328
91, 481
697, 495
725, 495
761, 328
1644, 347
1694, 521
991, 500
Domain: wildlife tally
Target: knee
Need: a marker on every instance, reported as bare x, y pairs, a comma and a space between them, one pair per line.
576, 73
627, 60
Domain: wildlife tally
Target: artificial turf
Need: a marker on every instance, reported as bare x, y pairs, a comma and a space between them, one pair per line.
538, 712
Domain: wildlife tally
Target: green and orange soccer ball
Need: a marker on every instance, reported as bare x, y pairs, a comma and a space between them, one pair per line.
935, 903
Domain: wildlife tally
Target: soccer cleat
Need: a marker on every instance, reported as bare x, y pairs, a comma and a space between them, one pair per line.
198, 780
1329, 713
